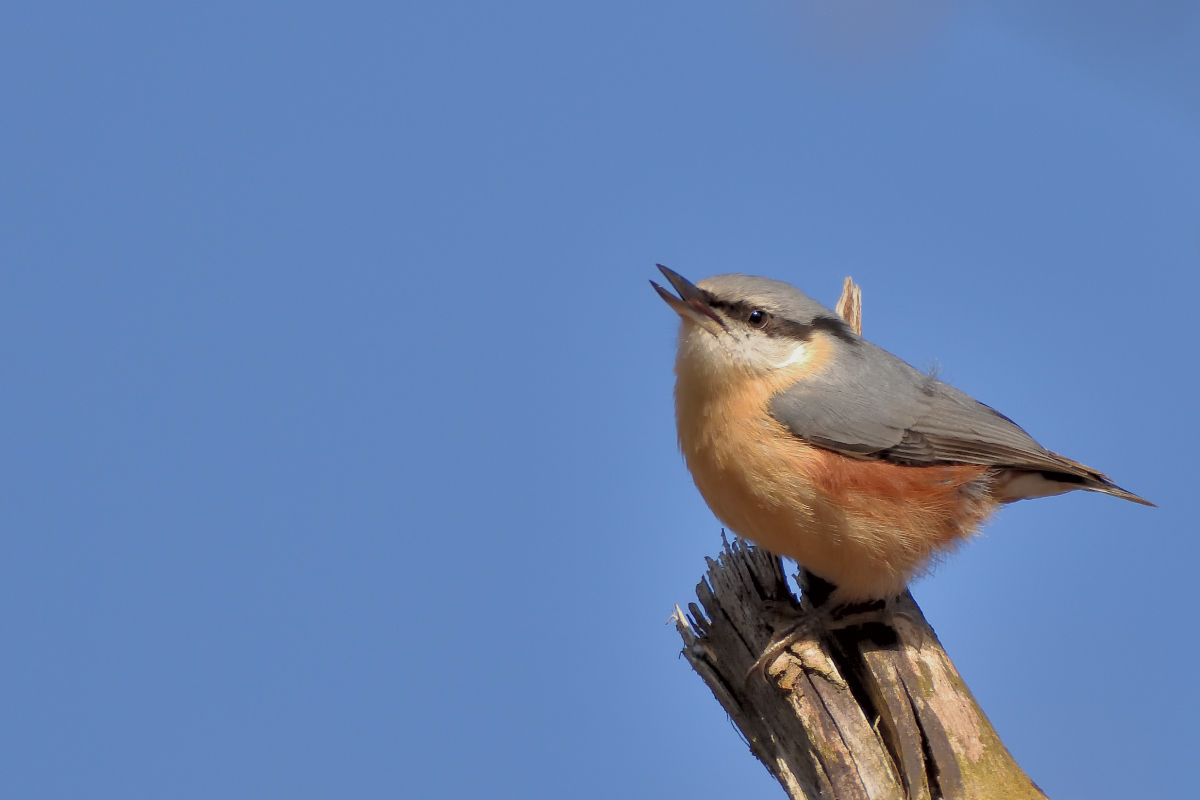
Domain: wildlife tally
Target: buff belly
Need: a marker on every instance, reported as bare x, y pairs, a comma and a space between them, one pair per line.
866, 526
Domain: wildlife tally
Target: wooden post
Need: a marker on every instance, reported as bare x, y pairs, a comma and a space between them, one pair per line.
866, 713
871, 712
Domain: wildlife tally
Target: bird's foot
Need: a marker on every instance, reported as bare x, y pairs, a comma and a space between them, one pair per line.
794, 650
801, 636
888, 614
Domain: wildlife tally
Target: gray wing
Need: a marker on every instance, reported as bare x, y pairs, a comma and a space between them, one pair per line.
876, 406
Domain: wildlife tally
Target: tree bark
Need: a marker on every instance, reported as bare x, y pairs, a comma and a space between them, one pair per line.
871, 712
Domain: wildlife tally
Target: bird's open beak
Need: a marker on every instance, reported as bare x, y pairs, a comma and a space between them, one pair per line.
691, 304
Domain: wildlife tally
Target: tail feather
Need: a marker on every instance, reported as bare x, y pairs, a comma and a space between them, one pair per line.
1094, 481
1105, 486
1016, 484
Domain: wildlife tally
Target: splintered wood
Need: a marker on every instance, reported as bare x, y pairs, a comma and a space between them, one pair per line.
866, 713
849, 305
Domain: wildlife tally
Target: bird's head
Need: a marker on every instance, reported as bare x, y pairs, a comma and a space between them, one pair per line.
740, 326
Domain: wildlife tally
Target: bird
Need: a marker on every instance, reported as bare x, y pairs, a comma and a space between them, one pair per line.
821, 447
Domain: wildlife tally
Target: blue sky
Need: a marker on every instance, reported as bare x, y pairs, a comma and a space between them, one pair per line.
339, 448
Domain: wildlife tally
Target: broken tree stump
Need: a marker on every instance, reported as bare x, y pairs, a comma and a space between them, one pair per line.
871, 712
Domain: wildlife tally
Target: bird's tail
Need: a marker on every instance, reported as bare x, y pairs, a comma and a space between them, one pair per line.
1025, 484
1105, 486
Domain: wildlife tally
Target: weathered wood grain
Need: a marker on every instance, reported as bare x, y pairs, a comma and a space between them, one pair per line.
871, 712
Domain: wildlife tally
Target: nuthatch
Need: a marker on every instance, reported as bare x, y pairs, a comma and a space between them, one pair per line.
821, 447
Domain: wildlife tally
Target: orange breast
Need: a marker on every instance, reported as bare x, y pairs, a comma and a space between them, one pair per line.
867, 526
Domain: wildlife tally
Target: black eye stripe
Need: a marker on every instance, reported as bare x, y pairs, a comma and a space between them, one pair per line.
836, 327
781, 327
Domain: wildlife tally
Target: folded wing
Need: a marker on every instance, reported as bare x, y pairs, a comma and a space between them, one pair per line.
876, 406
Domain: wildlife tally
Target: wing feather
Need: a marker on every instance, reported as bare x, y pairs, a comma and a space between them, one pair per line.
877, 406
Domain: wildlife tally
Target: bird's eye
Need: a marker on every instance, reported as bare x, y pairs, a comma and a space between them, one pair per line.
757, 318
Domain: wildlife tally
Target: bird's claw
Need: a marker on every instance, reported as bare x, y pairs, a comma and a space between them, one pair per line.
800, 640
